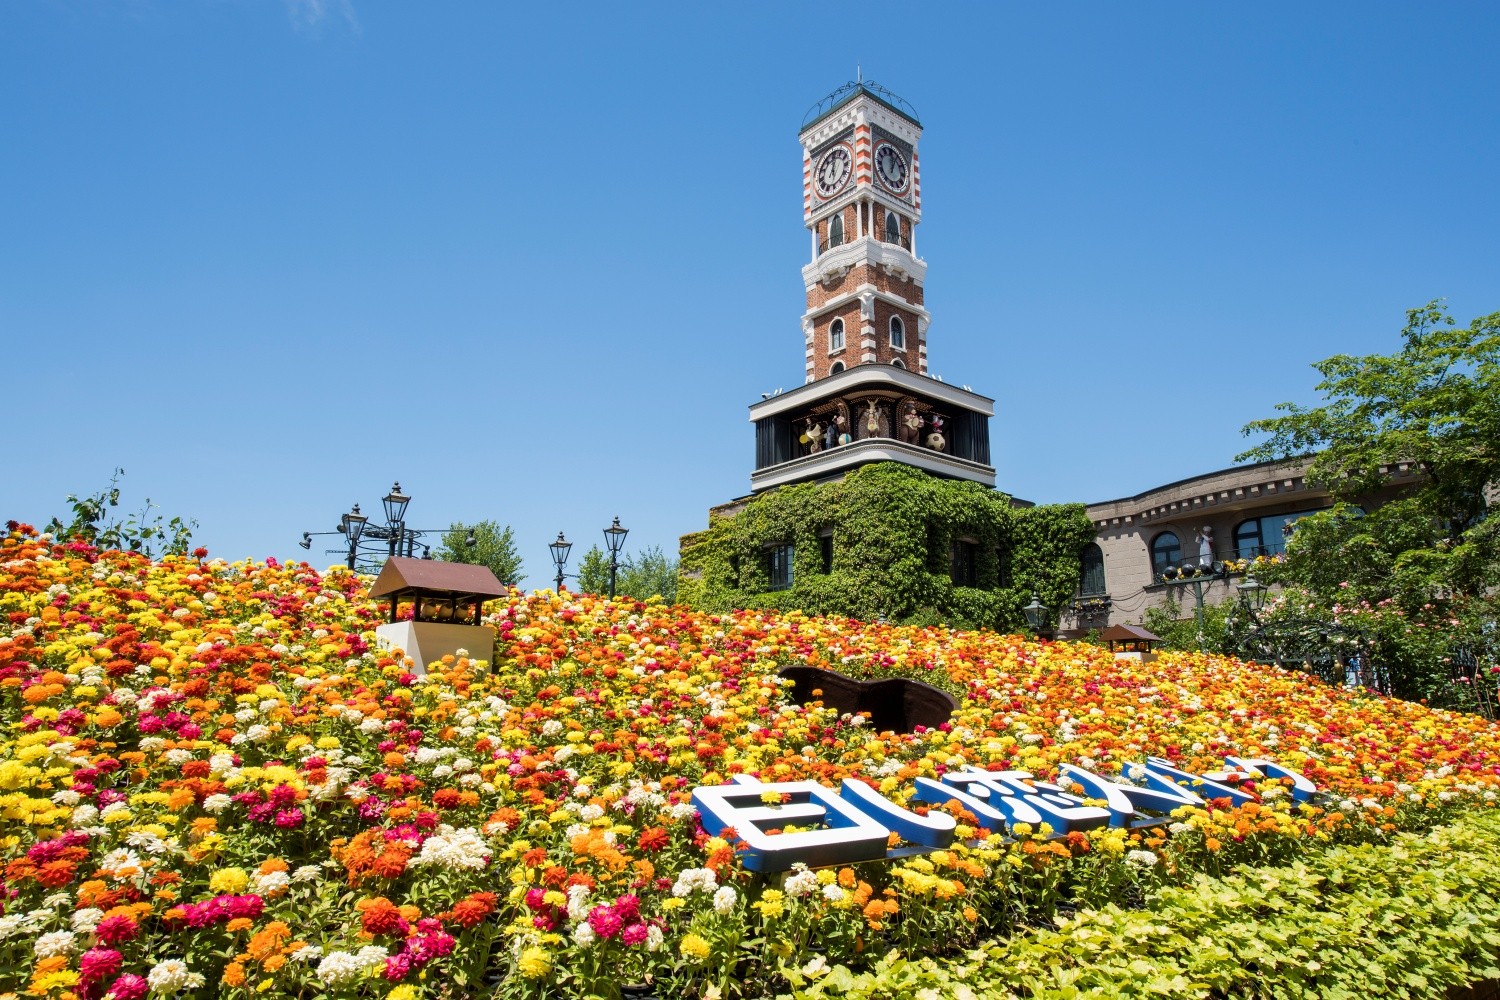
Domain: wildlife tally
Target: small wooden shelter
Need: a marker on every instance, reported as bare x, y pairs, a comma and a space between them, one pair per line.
1129, 639
441, 592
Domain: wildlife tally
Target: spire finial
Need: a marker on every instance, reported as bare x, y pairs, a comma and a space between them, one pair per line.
859, 74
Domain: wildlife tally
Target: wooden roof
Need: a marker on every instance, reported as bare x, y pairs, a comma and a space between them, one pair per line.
428, 576
1128, 633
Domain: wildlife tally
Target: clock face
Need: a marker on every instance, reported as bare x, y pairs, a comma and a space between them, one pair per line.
891, 166
833, 171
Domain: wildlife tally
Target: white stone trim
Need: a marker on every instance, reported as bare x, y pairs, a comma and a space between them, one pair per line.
874, 377
864, 250
844, 457
860, 293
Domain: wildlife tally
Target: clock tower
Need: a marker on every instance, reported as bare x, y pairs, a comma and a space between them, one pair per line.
861, 202
867, 396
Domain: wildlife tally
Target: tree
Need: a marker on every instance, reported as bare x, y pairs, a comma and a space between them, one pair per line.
1436, 404
593, 572
648, 573
494, 546
139, 532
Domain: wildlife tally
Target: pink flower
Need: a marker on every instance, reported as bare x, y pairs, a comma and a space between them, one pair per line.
114, 930
605, 921
98, 963
128, 987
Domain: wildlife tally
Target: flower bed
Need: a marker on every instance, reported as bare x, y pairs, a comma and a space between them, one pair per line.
212, 784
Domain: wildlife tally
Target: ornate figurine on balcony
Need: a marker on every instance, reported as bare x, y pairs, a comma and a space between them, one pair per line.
874, 423
910, 429
935, 439
1205, 546
814, 436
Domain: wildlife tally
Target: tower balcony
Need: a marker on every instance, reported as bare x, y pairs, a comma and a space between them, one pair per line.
895, 256
871, 413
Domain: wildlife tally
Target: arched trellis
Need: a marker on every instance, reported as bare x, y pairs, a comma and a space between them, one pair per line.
1339, 654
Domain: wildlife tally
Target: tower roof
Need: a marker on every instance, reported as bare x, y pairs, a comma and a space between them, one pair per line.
853, 89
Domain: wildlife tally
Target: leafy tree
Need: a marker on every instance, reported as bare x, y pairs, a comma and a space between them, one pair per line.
141, 532
494, 546
593, 572
1436, 404
648, 573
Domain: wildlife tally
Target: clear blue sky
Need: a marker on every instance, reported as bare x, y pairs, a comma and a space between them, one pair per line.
535, 260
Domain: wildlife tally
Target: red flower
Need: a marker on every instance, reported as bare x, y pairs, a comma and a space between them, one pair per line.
654, 839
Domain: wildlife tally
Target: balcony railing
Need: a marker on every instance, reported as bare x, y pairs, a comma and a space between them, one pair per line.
902, 241
1222, 562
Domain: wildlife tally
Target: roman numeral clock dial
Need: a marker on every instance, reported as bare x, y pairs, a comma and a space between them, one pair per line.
890, 165
833, 171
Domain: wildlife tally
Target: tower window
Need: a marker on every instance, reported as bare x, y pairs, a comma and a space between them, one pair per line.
892, 228
835, 336
835, 231
898, 333
838, 366
897, 363
779, 566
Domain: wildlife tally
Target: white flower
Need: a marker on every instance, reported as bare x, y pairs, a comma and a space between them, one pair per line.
67, 797
833, 893
1141, 859
590, 812
84, 815
172, 975
307, 873
11, 924
272, 883
654, 938
372, 954
85, 920
56, 943
450, 848
724, 899
690, 880
801, 882
578, 902
217, 803
339, 967
583, 935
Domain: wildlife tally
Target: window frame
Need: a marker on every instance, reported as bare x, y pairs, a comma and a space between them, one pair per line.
837, 219
836, 329
781, 565
1159, 564
892, 235
897, 324
1091, 566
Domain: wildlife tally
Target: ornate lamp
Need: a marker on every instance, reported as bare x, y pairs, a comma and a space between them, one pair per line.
560, 549
352, 525
1252, 592
395, 505
1035, 612
614, 537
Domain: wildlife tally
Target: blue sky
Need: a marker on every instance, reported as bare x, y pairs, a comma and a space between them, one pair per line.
535, 260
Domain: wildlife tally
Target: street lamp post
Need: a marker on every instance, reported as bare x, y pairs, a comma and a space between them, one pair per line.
395, 516
560, 549
614, 537
1036, 613
1197, 576
1252, 592
353, 525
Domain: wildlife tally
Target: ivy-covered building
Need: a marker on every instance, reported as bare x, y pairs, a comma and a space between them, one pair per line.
872, 492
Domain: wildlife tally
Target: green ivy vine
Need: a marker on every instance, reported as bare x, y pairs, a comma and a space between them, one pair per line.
893, 529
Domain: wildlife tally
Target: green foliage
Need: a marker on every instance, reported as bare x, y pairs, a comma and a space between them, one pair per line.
139, 532
593, 572
1177, 626
494, 546
1435, 404
1410, 917
893, 529
649, 573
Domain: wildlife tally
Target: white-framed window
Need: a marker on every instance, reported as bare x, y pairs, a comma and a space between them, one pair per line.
897, 363
835, 336
892, 228
838, 366
898, 333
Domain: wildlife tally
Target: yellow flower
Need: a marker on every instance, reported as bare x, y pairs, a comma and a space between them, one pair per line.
693, 947
228, 881
534, 963
406, 991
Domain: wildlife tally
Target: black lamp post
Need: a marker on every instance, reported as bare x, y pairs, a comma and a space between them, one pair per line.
353, 526
1035, 612
1196, 576
1252, 592
614, 537
395, 517
560, 549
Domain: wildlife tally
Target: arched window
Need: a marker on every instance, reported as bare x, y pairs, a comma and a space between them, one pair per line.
1166, 551
835, 231
1247, 541
1092, 581
892, 228
897, 363
898, 333
835, 336
838, 366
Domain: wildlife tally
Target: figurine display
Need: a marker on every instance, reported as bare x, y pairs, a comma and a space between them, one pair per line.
935, 439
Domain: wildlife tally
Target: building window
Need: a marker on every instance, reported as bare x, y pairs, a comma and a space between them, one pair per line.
779, 566
898, 333
838, 366
1265, 536
1002, 567
835, 336
835, 231
1166, 551
963, 566
825, 549
898, 363
1092, 578
892, 228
